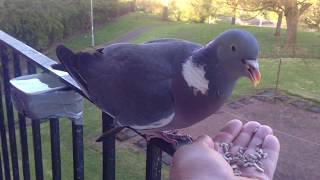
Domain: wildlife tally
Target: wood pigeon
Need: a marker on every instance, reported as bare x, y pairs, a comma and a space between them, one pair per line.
165, 84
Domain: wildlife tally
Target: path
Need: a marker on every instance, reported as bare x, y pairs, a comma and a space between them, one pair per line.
296, 122
125, 37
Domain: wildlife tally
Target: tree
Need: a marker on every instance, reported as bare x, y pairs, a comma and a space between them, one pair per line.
312, 17
268, 5
293, 9
234, 5
202, 9
175, 11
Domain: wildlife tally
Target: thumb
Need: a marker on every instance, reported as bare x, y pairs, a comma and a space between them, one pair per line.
205, 140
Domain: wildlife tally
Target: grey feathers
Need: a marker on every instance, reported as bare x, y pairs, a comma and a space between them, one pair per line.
156, 85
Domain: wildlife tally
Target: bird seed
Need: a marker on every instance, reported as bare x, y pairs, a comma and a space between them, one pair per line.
243, 159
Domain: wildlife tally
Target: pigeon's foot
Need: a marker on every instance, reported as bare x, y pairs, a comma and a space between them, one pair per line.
171, 137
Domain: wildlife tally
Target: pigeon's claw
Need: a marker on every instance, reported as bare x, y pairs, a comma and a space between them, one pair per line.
172, 137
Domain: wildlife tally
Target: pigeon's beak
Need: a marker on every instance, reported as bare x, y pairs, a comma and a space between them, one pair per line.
253, 71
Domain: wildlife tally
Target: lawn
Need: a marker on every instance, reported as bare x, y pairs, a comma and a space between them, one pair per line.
308, 43
298, 76
113, 30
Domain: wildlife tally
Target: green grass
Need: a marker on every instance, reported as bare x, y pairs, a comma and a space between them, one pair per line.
308, 43
109, 31
112, 30
298, 76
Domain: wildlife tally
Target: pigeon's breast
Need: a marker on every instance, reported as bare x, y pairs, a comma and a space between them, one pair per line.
189, 107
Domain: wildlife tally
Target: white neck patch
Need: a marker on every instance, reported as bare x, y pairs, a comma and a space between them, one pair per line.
194, 75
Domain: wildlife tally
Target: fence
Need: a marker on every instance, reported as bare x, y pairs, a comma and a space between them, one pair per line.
13, 55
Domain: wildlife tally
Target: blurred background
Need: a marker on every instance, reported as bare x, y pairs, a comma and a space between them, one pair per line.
288, 98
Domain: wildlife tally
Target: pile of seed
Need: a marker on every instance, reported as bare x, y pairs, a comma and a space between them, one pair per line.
242, 159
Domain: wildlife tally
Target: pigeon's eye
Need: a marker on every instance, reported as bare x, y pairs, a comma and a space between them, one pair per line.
233, 48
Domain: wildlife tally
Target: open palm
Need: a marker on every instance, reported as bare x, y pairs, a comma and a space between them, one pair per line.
249, 136
202, 159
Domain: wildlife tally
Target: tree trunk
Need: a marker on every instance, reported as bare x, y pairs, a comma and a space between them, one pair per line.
292, 17
279, 22
292, 28
178, 17
234, 12
233, 20
165, 13
134, 5
202, 19
292, 13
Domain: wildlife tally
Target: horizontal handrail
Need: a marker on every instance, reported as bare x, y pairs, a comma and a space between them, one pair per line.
39, 59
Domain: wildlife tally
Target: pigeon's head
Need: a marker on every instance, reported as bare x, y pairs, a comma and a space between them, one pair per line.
235, 53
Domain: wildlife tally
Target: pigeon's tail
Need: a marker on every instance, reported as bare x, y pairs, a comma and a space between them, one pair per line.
77, 65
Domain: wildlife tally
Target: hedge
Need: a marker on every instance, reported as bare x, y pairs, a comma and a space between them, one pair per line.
40, 23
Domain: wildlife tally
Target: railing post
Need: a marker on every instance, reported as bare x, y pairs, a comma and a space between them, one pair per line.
55, 148
22, 126
36, 134
10, 115
77, 138
4, 144
1, 174
154, 161
24, 147
108, 149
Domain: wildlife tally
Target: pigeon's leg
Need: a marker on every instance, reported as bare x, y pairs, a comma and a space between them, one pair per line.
110, 132
172, 137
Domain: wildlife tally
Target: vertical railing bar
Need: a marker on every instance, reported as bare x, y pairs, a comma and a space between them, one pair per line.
108, 149
10, 115
154, 162
36, 134
16, 64
5, 153
31, 68
1, 172
77, 141
22, 126
24, 146
55, 148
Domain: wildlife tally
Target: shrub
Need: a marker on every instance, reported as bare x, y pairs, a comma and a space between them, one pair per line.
41, 23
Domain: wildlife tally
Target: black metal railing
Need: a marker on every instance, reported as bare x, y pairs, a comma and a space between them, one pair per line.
13, 53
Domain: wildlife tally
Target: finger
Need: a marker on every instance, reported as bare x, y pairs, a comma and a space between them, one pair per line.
205, 140
271, 146
259, 137
229, 132
245, 136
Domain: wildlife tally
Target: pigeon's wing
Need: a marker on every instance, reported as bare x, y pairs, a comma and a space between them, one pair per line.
164, 40
126, 82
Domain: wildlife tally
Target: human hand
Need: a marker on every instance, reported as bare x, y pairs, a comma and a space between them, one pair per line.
202, 161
